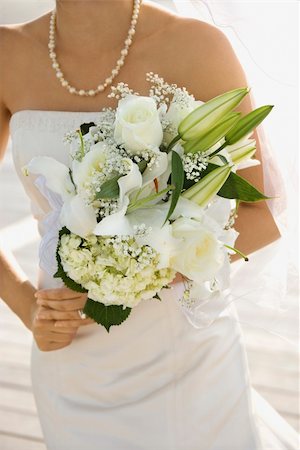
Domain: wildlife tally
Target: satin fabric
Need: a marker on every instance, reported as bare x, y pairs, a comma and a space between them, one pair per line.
153, 383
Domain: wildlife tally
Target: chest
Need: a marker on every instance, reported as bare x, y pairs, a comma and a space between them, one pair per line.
34, 84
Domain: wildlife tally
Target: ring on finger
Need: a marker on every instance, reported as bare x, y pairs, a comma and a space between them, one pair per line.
81, 314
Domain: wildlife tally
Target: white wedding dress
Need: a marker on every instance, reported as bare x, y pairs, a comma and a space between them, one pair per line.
155, 382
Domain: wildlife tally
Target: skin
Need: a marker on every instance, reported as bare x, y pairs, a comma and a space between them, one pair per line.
90, 34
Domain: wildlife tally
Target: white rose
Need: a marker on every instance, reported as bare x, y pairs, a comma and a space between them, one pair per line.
137, 124
199, 255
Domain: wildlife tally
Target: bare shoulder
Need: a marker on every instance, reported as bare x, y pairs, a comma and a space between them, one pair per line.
206, 63
16, 45
17, 34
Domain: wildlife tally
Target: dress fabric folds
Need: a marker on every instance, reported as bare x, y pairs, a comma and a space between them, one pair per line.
153, 383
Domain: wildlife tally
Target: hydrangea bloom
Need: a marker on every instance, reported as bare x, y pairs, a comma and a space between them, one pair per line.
114, 270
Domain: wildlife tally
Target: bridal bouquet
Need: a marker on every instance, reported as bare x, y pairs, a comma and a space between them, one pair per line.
150, 190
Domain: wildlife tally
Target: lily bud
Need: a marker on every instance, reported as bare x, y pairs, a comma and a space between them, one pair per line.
203, 191
247, 124
203, 118
213, 135
240, 152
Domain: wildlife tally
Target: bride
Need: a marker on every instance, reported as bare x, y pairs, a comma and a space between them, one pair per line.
155, 383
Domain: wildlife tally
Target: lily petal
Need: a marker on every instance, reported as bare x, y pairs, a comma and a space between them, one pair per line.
55, 173
116, 224
158, 168
78, 217
129, 182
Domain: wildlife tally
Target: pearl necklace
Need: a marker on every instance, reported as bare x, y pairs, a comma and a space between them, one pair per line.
114, 72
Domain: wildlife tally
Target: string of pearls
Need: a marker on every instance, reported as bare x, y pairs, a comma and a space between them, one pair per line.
108, 81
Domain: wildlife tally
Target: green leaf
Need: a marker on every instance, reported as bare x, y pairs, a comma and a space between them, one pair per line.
247, 124
109, 189
142, 165
60, 273
84, 128
239, 188
106, 315
157, 296
177, 179
236, 187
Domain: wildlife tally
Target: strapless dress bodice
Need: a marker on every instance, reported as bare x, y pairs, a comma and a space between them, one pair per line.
39, 132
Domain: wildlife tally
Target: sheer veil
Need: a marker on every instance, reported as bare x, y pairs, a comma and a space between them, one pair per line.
264, 290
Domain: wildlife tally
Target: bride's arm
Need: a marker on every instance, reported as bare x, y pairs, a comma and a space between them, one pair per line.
213, 69
19, 294
14, 284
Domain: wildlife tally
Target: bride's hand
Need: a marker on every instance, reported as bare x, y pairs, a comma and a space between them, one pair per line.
56, 319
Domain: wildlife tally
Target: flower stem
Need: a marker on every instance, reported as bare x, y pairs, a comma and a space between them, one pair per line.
81, 143
173, 142
218, 150
237, 251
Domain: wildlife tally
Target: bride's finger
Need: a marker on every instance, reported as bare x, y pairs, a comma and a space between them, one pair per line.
56, 337
74, 323
58, 294
52, 314
63, 305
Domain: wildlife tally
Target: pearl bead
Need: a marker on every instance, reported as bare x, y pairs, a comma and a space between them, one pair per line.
115, 70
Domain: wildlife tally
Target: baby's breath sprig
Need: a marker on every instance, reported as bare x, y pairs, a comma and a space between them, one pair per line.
161, 90
141, 230
121, 90
194, 164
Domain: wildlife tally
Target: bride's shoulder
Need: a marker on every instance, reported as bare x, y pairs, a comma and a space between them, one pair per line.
17, 36
206, 63
197, 55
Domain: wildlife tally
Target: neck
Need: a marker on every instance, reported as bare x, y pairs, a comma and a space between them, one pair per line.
99, 23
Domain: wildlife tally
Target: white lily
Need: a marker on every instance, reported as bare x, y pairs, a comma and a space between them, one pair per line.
242, 151
131, 181
93, 160
158, 237
55, 173
160, 171
78, 217
116, 224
